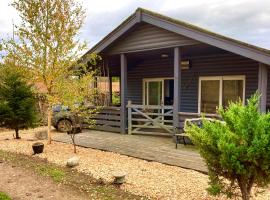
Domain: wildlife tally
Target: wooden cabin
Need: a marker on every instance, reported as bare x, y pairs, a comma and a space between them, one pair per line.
170, 70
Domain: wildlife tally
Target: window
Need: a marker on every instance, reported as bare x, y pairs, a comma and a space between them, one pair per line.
219, 91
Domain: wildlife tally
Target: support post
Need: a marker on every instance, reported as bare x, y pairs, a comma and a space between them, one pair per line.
177, 88
123, 88
110, 90
262, 86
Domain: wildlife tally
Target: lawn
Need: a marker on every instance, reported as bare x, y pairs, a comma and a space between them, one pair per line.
4, 196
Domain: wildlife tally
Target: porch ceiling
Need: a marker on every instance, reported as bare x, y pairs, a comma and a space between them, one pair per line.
186, 51
137, 57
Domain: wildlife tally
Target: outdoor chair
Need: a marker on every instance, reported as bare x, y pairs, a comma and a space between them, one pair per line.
178, 137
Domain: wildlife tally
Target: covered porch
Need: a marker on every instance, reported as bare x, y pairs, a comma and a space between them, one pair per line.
161, 88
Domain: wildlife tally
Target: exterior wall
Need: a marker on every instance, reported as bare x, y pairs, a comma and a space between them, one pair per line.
268, 91
147, 69
147, 36
215, 65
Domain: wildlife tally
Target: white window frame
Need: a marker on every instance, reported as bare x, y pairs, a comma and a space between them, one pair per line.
147, 80
220, 79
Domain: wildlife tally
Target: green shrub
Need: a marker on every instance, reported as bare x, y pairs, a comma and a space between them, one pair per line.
115, 98
17, 101
237, 152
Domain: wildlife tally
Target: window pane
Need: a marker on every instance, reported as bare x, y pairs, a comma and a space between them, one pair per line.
154, 92
209, 96
232, 91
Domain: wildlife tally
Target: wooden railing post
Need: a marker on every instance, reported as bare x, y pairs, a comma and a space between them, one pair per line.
177, 88
262, 86
129, 118
123, 92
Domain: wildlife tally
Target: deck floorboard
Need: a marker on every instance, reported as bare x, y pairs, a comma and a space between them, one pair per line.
151, 148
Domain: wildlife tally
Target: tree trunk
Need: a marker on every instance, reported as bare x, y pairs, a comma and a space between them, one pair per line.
245, 188
73, 142
245, 195
17, 133
49, 124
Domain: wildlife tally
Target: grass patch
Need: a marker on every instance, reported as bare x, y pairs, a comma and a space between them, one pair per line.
4, 196
55, 173
95, 189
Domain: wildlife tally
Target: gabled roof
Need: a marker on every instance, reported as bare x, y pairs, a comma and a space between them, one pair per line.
194, 32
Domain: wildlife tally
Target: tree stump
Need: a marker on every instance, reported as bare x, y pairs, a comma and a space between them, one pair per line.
119, 177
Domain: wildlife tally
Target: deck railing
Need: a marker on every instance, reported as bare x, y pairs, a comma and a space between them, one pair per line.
144, 119
107, 119
189, 115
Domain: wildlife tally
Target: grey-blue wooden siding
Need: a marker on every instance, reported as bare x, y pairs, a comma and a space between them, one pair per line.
268, 90
214, 65
145, 36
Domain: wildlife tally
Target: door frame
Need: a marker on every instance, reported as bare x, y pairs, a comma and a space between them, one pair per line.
147, 80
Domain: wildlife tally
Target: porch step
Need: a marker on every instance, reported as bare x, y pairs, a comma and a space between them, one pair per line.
152, 133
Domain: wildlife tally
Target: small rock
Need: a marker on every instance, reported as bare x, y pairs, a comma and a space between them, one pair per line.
28, 194
41, 135
72, 162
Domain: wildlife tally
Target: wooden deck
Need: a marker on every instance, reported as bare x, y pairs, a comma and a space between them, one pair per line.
150, 148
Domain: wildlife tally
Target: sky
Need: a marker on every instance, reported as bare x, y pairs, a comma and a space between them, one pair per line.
245, 20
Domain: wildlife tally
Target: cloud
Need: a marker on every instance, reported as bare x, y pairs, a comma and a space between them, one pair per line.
246, 20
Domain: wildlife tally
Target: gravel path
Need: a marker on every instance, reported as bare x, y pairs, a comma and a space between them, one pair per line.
151, 179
